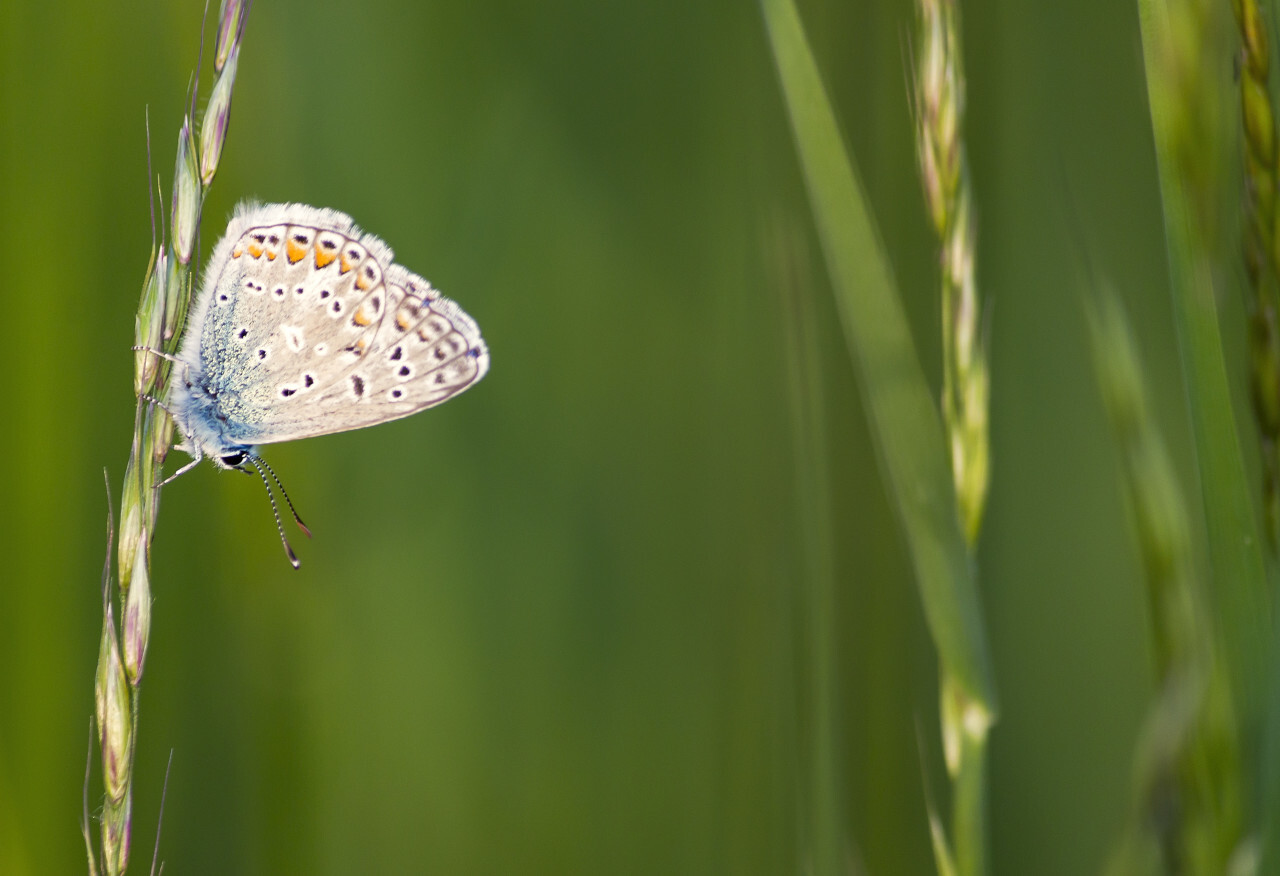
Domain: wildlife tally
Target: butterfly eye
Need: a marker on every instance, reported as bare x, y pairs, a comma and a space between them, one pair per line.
233, 459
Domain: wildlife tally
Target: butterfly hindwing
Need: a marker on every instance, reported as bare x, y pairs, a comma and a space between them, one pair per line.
311, 328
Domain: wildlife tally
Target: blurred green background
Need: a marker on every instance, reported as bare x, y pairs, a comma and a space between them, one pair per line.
559, 624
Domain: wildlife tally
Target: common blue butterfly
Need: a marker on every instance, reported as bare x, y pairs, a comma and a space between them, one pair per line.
303, 326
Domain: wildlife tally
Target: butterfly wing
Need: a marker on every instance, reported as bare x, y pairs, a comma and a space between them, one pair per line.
311, 328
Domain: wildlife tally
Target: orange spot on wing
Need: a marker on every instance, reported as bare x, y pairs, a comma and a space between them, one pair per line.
347, 264
237, 252
402, 321
271, 255
255, 250
363, 283
323, 259
294, 251
361, 318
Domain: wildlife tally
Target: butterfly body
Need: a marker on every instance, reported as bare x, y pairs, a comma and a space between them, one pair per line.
305, 326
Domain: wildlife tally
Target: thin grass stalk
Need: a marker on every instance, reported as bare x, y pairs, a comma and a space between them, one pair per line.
1176, 54
906, 428
1188, 809
944, 171
166, 294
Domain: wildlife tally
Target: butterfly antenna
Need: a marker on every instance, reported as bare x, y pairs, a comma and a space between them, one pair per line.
296, 519
293, 558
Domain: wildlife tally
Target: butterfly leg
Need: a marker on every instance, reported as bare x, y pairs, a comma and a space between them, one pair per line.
161, 405
161, 353
186, 468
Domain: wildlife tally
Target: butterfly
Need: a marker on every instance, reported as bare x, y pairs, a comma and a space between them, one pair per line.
304, 325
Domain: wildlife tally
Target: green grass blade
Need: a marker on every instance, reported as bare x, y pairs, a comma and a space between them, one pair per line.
1240, 592
905, 422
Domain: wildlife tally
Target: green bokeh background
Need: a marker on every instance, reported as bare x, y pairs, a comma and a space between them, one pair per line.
557, 625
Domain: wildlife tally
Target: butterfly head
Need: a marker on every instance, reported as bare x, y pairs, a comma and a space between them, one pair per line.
233, 459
